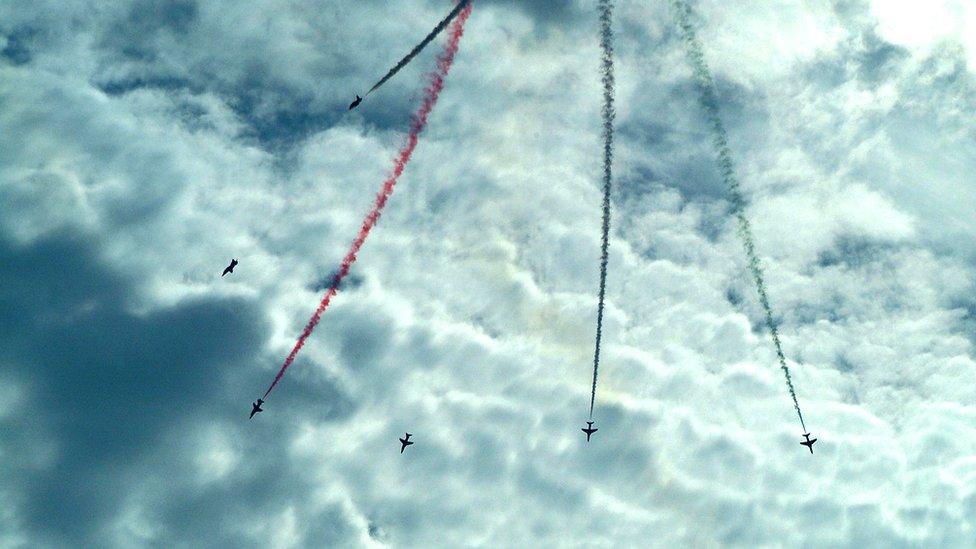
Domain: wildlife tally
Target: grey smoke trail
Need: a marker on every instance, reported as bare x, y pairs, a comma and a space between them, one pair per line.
606, 71
423, 43
709, 100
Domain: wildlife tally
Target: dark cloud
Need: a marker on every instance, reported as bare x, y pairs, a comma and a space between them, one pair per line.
352, 281
112, 388
150, 46
544, 12
853, 251
138, 30
123, 86
878, 61
20, 41
364, 341
103, 381
123, 402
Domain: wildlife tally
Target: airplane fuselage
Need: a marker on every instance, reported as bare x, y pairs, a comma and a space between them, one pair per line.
230, 268
808, 442
405, 441
589, 430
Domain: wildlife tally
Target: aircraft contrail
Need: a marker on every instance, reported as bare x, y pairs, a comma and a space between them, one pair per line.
606, 72
709, 100
423, 43
417, 125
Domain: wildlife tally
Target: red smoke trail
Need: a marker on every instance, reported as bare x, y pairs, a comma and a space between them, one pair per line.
417, 124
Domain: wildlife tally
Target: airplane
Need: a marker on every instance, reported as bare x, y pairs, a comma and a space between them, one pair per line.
589, 430
404, 442
230, 268
808, 443
356, 103
256, 407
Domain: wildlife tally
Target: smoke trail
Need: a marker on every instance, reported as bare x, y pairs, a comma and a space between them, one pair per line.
417, 124
606, 70
709, 100
423, 43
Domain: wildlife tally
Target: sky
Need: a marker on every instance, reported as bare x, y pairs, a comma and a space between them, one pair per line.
145, 143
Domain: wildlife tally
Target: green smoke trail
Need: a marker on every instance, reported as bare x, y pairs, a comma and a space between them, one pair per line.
606, 73
709, 100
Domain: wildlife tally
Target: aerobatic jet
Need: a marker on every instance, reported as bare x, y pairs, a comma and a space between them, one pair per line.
355, 103
404, 442
256, 407
230, 268
589, 430
808, 443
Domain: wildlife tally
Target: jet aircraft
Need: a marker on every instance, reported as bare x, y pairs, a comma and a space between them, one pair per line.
230, 268
589, 430
808, 443
256, 407
355, 103
404, 442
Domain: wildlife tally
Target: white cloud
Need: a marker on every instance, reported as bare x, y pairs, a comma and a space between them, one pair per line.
922, 26
470, 321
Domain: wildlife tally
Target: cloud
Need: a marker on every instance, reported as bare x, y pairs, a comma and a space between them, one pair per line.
145, 145
921, 29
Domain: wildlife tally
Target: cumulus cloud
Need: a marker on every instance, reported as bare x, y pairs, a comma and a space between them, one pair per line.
143, 144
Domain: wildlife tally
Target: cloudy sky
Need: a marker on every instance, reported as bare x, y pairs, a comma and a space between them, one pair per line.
143, 143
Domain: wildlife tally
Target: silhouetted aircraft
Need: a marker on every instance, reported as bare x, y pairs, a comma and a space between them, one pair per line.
808, 443
256, 407
356, 103
230, 268
404, 442
589, 430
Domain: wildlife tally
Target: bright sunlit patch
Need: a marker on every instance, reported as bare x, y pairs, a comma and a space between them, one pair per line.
766, 39
921, 25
